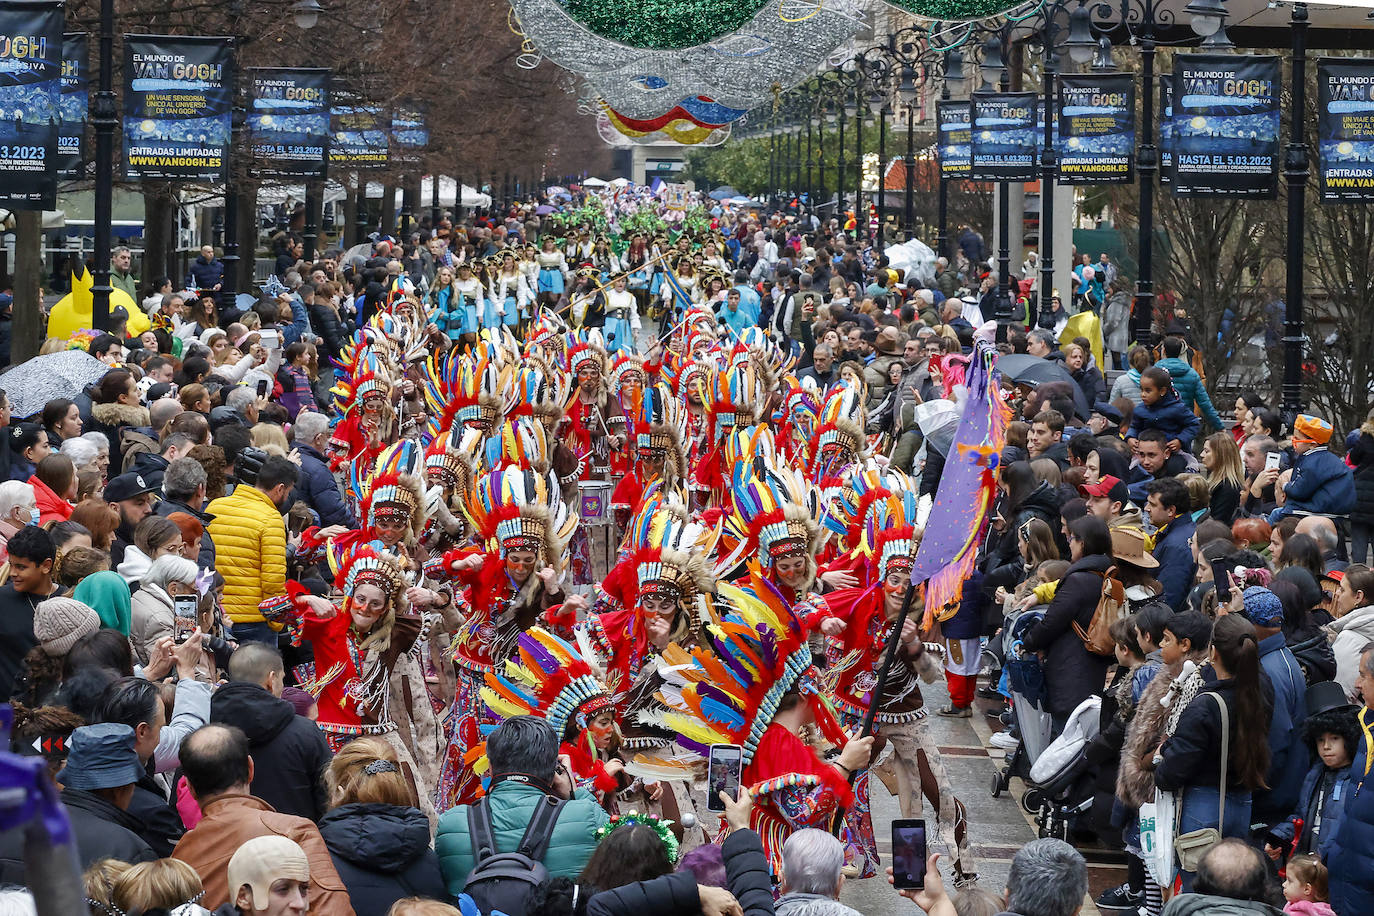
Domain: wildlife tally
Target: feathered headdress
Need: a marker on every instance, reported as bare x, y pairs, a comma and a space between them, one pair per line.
776, 513
359, 371
395, 489
855, 502
583, 349
661, 431
451, 457
797, 426
729, 691
669, 551
889, 534
549, 679
518, 509
839, 439
518, 442
735, 397
366, 563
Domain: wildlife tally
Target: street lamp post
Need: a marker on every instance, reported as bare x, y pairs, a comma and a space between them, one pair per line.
953, 83
907, 92
105, 120
996, 73
1295, 172
809, 111
841, 166
881, 115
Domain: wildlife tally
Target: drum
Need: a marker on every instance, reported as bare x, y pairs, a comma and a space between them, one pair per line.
594, 502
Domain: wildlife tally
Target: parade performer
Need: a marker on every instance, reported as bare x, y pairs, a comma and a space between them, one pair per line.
756, 687
548, 678
626, 385
650, 597
509, 292
659, 452
838, 442
367, 678
594, 423
622, 316
860, 625
509, 582
460, 320
553, 272
362, 396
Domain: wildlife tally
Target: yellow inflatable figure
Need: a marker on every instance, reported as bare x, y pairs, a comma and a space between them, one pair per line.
73, 311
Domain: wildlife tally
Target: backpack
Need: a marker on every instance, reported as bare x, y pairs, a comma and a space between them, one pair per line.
504, 880
1111, 607
1316, 659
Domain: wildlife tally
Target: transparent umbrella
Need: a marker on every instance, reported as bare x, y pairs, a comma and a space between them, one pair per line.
35, 382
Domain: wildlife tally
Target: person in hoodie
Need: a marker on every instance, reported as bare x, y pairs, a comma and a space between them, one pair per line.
1189, 385
207, 271
289, 752
1161, 408
378, 839
1321, 483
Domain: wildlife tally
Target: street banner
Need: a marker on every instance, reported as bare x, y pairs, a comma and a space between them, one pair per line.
1166, 129
953, 124
408, 129
288, 121
357, 137
1096, 128
178, 101
1345, 129
1226, 126
1003, 142
30, 103
75, 105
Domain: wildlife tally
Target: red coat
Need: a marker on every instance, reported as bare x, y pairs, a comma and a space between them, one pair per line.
51, 507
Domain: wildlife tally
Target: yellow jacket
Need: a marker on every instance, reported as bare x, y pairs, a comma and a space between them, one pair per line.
250, 551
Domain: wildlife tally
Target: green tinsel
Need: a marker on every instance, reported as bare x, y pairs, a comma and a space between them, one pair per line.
954, 10
663, 24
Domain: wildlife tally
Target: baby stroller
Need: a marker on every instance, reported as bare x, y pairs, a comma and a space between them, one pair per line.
1062, 781
1023, 678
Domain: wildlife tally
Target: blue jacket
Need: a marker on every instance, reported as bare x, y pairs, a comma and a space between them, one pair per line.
1288, 756
299, 326
317, 487
1321, 484
1190, 389
205, 274
1333, 809
1170, 416
1351, 854
1175, 556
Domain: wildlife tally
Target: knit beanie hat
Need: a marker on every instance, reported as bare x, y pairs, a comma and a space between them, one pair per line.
1262, 607
59, 622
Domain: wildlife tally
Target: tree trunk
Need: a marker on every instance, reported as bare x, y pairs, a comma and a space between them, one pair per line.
26, 328
388, 223
249, 230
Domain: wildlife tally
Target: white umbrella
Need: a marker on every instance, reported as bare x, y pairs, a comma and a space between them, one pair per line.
594, 183
35, 382
913, 259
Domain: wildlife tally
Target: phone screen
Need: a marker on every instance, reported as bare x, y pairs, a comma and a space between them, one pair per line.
1272, 461
908, 853
722, 774
262, 387
185, 606
1221, 570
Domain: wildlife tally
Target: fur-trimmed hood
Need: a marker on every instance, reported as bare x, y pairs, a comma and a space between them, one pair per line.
116, 414
1135, 783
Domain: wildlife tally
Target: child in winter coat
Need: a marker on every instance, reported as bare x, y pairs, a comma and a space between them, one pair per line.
1305, 888
1333, 733
1164, 410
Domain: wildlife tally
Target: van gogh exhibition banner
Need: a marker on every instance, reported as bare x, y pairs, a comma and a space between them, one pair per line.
1003, 143
1345, 130
76, 78
288, 121
953, 120
1226, 126
357, 137
30, 100
178, 94
1096, 128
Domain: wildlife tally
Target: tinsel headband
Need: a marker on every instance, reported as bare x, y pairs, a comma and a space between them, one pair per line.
657, 825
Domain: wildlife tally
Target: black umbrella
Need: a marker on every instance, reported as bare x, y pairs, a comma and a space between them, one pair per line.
1033, 371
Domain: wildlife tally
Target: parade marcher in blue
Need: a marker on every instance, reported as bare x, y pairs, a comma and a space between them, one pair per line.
553, 271
458, 320
487, 272
622, 316
509, 293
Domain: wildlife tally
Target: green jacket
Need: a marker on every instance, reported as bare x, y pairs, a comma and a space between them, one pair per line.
512, 806
126, 282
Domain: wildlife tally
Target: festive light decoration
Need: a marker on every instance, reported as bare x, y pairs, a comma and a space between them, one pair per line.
664, 25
